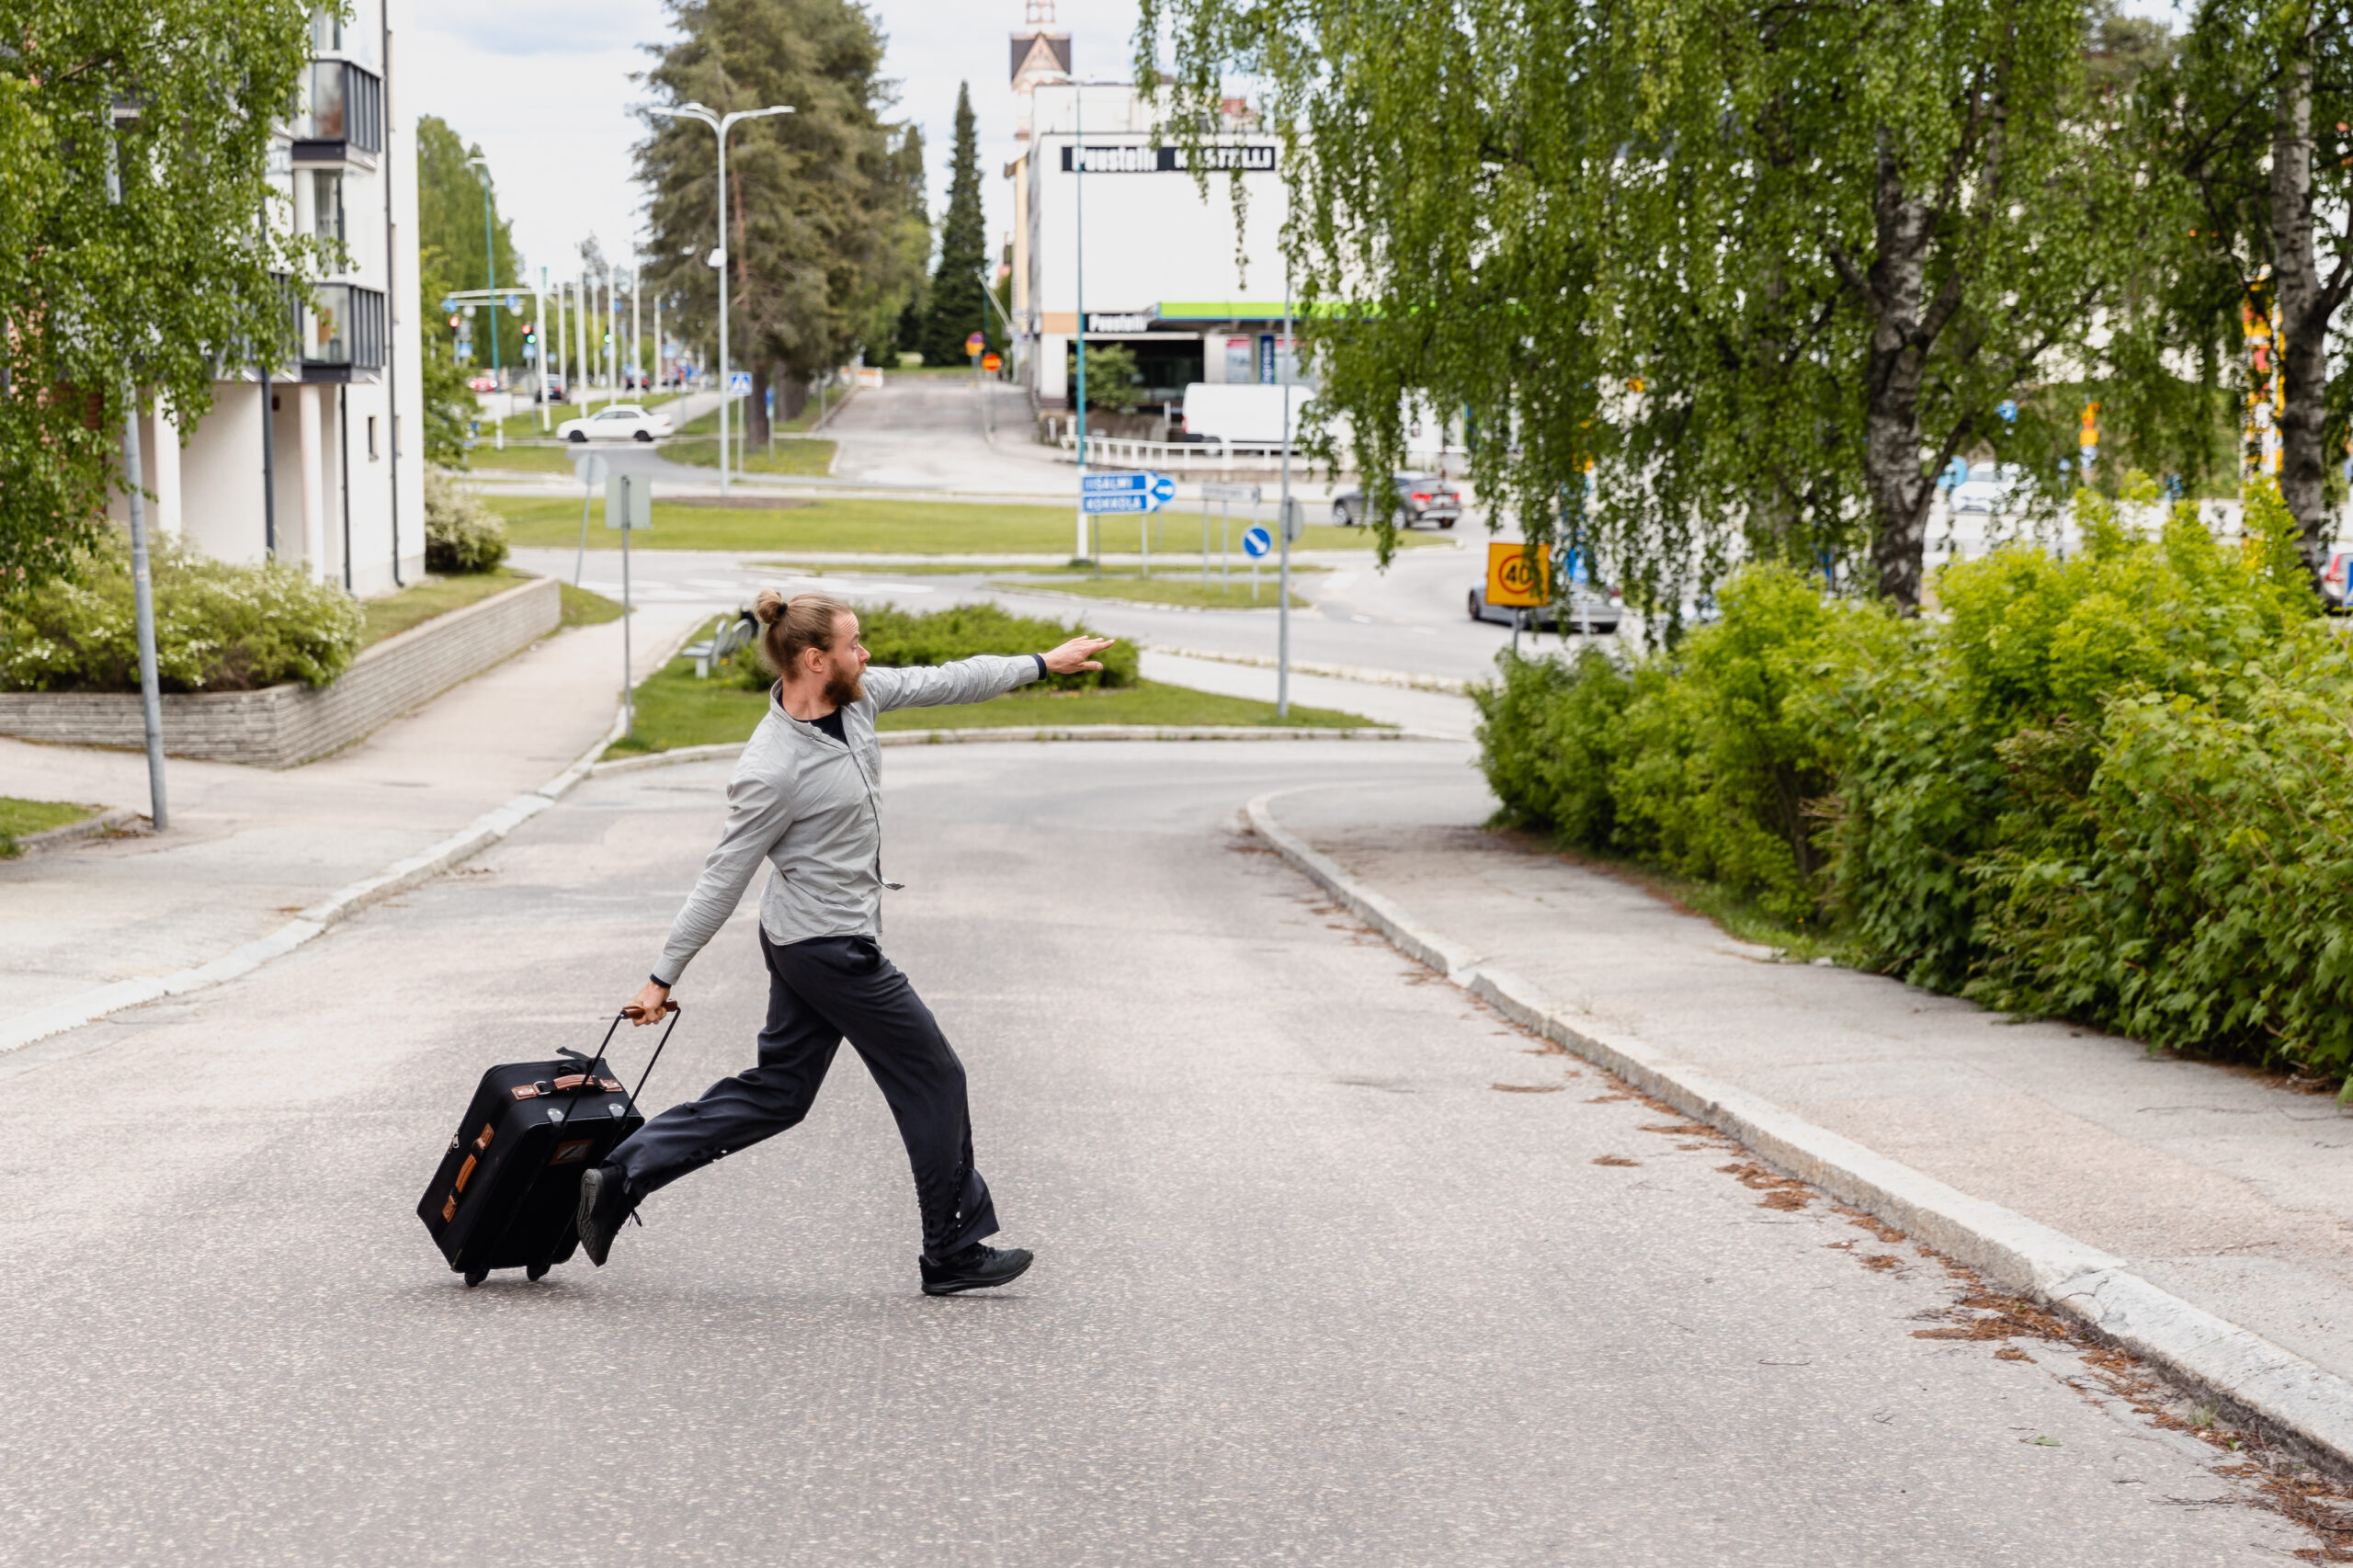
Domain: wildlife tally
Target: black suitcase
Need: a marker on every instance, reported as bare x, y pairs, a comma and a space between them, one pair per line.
509, 1184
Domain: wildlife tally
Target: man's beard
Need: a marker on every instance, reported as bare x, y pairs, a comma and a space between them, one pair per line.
844, 687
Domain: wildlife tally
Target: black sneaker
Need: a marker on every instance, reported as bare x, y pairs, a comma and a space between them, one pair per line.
975, 1269
604, 1205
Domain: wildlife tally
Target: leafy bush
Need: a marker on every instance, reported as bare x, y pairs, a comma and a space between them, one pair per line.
461, 535
895, 636
2115, 788
219, 627
1112, 381
1709, 759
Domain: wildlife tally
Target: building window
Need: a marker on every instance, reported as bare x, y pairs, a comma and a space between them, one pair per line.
372, 438
326, 32
326, 205
344, 324
347, 104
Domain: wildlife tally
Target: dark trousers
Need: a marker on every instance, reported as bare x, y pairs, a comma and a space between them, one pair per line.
821, 991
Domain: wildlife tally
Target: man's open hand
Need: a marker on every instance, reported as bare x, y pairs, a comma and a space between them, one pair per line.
1077, 655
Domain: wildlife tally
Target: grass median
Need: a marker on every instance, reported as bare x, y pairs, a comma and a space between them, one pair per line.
851, 528
21, 819
675, 709
1167, 590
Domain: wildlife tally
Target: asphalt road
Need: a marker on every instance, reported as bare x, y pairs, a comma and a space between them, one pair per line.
1315, 1286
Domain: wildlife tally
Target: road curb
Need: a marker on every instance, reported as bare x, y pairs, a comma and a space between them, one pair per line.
2307, 1407
1363, 673
106, 821
1071, 732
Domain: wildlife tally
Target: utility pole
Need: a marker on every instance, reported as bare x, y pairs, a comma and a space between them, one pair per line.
1078, 243
143, 586
1283, 524
489, 286
580, 330
540, 371
719, 125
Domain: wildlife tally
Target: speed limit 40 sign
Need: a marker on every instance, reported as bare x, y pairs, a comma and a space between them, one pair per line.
1516, 582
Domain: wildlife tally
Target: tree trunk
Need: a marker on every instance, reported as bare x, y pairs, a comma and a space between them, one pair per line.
756, 408
2304, 317
1892, 369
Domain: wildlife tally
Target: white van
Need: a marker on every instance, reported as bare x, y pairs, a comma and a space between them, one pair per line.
1247, 414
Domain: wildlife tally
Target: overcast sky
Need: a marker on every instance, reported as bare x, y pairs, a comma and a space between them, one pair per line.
544, 87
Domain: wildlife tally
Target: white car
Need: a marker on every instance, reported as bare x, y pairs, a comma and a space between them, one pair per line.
1990, 488
622, 421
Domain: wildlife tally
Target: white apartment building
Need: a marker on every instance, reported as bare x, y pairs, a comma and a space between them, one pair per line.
1163, 272
319, 460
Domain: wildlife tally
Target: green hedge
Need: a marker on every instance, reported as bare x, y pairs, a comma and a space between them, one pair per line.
219, 626
895, 636
2116, 788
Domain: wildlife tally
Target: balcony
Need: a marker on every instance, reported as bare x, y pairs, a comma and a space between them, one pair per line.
342, 118
343, 332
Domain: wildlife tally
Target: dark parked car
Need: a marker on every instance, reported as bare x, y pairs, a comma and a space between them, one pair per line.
1421, 498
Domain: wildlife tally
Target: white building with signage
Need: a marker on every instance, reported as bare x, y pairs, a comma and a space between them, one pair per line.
1104, 207
319, 462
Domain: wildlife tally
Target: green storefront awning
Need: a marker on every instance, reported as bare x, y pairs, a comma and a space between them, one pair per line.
1217, 310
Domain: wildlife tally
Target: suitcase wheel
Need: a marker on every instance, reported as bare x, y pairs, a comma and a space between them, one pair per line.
475, 1276
537, 1272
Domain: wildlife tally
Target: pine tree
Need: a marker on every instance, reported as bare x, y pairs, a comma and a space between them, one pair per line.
956, 305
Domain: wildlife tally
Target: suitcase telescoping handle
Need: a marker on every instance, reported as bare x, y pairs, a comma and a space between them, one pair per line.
631, 1012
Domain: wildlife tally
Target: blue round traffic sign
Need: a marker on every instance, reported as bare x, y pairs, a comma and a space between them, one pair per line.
1256, 542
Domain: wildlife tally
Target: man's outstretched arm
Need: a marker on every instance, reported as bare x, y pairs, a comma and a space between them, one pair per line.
978, 678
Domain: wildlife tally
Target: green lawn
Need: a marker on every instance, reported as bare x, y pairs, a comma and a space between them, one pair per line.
909, 527
675, 709
420, 602
519, 458
795, 454
708, 424
22, 818
582, 607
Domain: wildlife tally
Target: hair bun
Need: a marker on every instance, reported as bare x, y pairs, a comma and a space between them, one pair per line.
766, 606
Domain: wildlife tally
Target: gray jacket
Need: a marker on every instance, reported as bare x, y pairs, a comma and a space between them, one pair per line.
807, 805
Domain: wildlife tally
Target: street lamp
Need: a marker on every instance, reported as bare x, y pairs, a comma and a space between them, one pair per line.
721, 124
490, 284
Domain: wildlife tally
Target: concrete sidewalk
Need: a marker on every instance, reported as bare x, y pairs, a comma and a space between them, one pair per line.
2221, 1186
249, 848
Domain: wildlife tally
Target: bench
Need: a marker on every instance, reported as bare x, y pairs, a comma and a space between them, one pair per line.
740, 632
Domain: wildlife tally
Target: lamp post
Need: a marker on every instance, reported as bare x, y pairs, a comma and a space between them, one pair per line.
721, 124
489, 286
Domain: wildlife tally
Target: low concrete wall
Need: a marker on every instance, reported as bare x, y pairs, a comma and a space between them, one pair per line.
281, 726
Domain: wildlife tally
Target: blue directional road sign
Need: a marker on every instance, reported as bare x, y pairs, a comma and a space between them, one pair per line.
1256, 542
1125, 492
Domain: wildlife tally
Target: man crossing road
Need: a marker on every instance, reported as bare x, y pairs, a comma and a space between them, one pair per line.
803, 798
